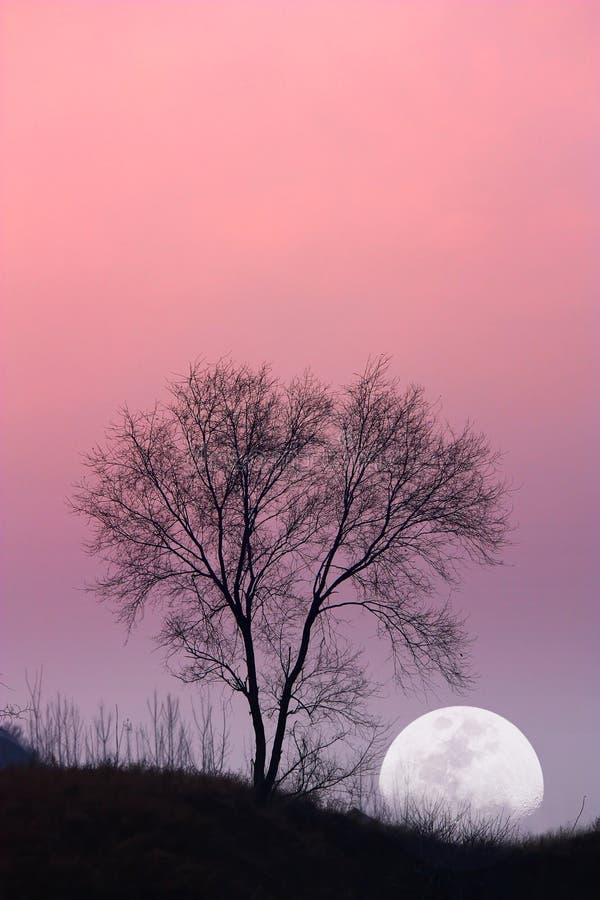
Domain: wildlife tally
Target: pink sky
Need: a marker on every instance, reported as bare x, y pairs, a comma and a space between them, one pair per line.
308, 184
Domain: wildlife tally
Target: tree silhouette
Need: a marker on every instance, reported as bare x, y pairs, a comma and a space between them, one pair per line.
257, 514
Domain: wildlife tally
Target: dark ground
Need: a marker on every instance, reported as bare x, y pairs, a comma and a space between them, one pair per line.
104, 833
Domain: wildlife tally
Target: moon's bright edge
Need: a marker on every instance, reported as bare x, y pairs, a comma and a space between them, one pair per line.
463, 757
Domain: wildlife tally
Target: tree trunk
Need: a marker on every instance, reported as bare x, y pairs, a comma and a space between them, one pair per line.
286, 697
260, 742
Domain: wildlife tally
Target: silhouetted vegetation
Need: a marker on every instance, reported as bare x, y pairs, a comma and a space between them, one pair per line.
257, 516
98, 815
57, 733
111, 832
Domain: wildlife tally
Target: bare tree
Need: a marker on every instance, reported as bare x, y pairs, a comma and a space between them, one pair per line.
257, 514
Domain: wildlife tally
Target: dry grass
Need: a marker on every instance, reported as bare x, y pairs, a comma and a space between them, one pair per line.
137, 832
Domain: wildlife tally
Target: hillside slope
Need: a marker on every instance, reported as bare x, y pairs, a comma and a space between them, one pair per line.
109, 833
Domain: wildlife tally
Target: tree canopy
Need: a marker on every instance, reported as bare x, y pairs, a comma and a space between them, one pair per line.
257, 514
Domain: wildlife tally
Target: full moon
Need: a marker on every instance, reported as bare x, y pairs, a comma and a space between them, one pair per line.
463, 757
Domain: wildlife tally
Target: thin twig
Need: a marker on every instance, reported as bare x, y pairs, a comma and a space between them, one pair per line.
579, 816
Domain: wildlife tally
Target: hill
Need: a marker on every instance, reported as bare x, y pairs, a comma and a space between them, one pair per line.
134, 833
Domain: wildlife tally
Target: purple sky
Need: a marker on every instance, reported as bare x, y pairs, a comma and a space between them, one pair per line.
309, 184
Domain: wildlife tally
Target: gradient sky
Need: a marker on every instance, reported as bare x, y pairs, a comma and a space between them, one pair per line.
309, 183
